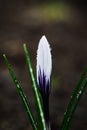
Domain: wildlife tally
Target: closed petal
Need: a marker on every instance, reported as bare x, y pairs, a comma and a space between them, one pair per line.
44, 61
44, 68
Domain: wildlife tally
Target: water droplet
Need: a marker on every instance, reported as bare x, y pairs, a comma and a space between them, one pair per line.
31, 70
64, 113
71, 97
77, 96
18, 86
80, 92
68, 119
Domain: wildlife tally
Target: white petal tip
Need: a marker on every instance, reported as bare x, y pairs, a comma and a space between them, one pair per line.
44, 59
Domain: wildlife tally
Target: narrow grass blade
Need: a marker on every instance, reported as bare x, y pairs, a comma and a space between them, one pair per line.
72, 100
79, 95
35, 90
21, 94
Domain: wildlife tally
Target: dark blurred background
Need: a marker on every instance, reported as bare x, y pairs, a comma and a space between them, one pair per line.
64, 23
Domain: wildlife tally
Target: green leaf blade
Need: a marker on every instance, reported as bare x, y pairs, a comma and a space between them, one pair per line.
73, 100
35, 90
79, 95
21, 94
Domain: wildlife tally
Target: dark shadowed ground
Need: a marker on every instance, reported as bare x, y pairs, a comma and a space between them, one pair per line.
66, 30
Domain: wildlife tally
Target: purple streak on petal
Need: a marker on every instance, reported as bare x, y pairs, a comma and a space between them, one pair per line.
44, 87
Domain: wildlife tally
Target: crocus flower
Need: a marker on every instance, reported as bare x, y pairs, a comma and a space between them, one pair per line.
44, 68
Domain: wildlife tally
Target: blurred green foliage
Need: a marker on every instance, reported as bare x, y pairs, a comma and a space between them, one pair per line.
52, 11
55, 11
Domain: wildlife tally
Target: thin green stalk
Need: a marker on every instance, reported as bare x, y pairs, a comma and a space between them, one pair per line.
72, 100
21, 94
35, 90
79, 95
